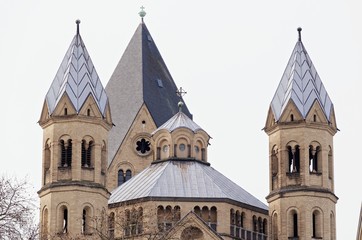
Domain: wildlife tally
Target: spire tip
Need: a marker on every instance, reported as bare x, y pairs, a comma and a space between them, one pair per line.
77, 22
299, 34
142, 13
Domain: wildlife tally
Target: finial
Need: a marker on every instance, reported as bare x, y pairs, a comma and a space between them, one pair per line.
142, 13
299, 34
77, 22
180, 93
180, 105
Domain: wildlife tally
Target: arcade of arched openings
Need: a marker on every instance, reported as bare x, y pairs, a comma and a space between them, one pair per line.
237, 226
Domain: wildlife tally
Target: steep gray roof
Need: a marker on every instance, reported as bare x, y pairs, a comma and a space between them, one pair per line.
141, 77
77, 78
179, 120
301, 84
182, 179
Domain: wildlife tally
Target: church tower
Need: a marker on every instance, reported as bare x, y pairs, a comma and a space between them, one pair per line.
76, 121
142, 96
301, 125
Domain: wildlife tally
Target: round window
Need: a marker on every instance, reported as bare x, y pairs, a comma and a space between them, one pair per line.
197, 149
182, 147
143, 146
165, 148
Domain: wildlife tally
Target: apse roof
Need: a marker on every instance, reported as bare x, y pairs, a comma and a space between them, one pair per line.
179, 120
301, 84
182, 179
141, 77
77, 77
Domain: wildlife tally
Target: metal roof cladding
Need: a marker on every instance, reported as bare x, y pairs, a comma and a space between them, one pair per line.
179, 120
77, 78
301, 84
183, 179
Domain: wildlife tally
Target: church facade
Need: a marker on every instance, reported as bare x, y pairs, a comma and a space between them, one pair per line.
128, 162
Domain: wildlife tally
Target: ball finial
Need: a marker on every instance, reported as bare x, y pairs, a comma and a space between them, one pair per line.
142, 13
180, 105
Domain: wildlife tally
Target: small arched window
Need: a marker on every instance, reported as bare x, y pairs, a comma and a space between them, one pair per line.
294, 159
63, 221
120, 177
86, 218
45, 223
293, 224
111, 224
87, 153
66, 153
317, 224
213, 218
128, 175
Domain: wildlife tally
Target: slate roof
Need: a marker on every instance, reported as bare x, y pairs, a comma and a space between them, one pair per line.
77, 77
179, 120
141, 77
182, 179
301, 84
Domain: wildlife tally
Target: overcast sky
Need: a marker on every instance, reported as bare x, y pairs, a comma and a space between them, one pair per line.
228, 55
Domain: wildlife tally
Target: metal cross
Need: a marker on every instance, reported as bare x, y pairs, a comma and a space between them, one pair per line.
180, 92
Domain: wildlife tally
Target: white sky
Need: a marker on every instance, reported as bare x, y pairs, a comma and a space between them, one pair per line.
228, 55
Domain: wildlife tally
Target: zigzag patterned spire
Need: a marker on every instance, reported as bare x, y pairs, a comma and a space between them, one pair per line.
301, 84
77, 78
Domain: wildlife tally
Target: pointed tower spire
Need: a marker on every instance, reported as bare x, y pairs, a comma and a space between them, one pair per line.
301, 84
141, 78
77, 77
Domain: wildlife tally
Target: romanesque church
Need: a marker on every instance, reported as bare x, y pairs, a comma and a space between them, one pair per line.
127, 161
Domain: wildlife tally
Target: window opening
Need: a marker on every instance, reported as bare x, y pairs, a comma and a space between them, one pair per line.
314, 118
293, 154
65, 221
66, 153
128, 175
88, 112
120, 177
143, 146
295, 225
313, 159
65, 111
291, 117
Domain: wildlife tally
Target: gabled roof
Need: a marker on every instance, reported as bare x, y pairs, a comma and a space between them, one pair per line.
179, 120
77, 78
183, 179
301, 84
141, 77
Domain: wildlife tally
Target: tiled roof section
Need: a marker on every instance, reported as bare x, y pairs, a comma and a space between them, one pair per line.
141, 77
179, 120
301, 84
77, 78
182, 179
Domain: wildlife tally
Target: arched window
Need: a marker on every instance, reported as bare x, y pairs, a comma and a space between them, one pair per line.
192, 233
124, 177
293, 224
314, 159
104, 159
330, 164
294, 159
120, 177
111, 224
260, 225
255, 224
86, 153
275, 227
332, 225
128, 175
213, 218
205, 214
66, 153
86, 218
265, 226
232, 223
176, 213
197, 211
63, 221
44, 226
160, 218
168, 218
317, 224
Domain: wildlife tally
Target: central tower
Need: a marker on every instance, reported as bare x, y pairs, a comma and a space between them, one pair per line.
301, 125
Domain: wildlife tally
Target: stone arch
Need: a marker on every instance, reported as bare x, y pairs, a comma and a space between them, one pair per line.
293, 222
182, 147
163, 149
192, 233
317, 223
65, 145
275, 226
315, 157
87, 214
63, 218
45, 223
293, 157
